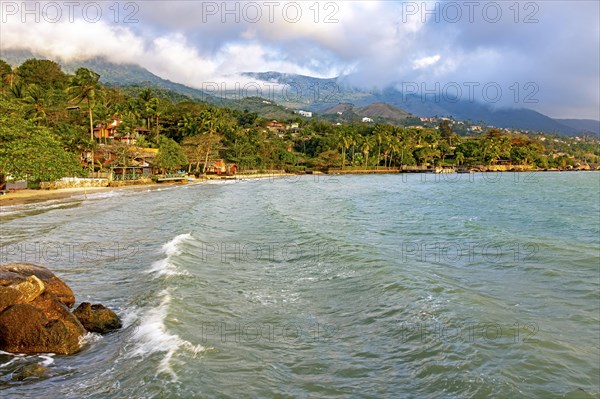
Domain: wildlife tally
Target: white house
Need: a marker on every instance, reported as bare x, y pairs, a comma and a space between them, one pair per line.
305, 113
367, 120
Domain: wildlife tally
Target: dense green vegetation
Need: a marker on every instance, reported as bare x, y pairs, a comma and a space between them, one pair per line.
47, 121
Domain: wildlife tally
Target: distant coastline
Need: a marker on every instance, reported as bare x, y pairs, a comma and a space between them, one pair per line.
31, 196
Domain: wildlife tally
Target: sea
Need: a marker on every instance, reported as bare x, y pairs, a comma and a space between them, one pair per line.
324, 286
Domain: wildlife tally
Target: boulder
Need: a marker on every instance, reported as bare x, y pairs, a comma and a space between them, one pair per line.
18, 272
34, 313
97, 318
30, 371
26, 329
22, 292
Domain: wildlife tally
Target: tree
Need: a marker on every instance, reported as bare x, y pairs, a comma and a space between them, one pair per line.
125, 156
43, 73
446, 131
170, 155
82, 88
36, 101
5, 75
31, 152
366, 147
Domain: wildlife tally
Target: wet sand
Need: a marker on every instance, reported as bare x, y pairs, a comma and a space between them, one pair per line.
28, 196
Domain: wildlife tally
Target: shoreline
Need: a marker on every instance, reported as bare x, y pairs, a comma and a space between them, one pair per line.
31, 196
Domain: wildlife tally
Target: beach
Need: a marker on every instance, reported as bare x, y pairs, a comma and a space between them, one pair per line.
30, 196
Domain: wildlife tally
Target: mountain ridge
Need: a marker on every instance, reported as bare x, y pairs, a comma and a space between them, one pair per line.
321, 94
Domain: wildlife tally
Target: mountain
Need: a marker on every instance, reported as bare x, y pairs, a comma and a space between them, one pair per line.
380, 112
321, 95
266, 109
113, 74
582, 125
383, 110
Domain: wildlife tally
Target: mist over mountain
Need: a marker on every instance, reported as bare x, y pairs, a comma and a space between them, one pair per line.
321, 95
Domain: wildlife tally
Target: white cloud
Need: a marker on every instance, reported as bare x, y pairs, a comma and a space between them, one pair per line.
374, 40
426, 61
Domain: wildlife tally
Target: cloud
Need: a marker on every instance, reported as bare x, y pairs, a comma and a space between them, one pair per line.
552, 44
426, 61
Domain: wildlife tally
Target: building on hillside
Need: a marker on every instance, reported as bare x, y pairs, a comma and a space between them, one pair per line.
306, 114
276, 127
367, 120
107, 131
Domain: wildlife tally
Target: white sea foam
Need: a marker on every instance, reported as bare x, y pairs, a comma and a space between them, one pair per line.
152, 336
101, 195
47, 359
89, 338
11, 361
165, 267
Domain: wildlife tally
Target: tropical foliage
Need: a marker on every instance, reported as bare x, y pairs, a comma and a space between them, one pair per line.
48, 120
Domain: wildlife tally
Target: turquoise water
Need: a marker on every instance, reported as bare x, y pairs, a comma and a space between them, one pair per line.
395, 286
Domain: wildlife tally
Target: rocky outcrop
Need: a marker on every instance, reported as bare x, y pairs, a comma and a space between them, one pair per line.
97, 318
17, 272
23, 292
35, 316
26, 329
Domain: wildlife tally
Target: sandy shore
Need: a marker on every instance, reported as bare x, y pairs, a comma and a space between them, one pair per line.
28, 196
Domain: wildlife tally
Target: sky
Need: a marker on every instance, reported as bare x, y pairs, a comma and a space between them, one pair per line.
543, 55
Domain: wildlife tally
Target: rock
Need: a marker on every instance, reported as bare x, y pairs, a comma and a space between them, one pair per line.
23, 292
26, 329
18, 272
34, 313
30, 371
97, 318
54, 309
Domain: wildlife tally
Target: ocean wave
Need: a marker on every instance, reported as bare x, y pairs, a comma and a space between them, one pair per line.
152, 336
101, 195
165, 267
6, 210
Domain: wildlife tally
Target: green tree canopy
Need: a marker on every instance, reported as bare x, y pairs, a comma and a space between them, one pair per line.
44, 73
31, 152
170, 155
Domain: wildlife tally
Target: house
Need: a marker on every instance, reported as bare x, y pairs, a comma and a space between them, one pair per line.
219, 167
306, 114
367, 120
276, 127
107, 131
110, 132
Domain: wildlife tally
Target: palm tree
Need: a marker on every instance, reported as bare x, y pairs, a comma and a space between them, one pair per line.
82, 87
36, 101
380, 133
366, 147
153, 109
17, 90
345, 142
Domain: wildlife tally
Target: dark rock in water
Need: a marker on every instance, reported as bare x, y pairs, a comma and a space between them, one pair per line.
26, 329
18, 272
34, 313
97, 318
30, 371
